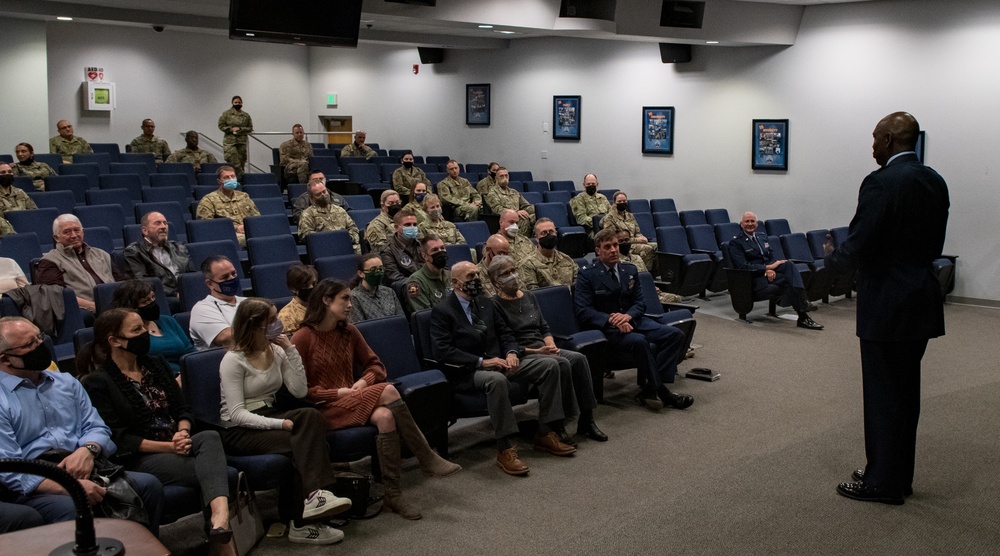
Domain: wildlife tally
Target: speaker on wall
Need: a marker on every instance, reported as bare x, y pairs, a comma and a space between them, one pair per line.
675, 53
430, 55
686, 14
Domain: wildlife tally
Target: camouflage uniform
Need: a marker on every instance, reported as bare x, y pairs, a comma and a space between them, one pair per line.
67, 148
291, 315
445, 230
324, 219
235, 208
36, 171
194, 157
403, 179
521, 248
641, 267
293, 156
537, 271
5, 227
424, 290
378, 232
351, 149
488, 289
617, 222
14, 199
304, 201
500, 199
154, 144
485, 185
418, 210
234, 146
460, 194
585, 208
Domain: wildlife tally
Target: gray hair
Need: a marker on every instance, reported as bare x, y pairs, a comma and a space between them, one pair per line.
61, 219
5, 324
498, 264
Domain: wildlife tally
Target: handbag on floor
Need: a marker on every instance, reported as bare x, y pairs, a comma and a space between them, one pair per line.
358, 488
244, 518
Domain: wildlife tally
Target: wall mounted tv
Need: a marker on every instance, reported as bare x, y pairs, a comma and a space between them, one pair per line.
310, 22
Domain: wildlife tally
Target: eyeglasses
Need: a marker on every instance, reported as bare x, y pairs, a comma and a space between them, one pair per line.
35, 341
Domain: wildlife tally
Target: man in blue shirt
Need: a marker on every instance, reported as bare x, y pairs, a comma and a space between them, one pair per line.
42, 410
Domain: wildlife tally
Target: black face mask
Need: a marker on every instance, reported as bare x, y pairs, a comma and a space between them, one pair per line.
6, 180
238, 107
590, 189
622, 207
149, 312
473, 287
393, 209
37, 359
407, 165
548, 242
439, 259
624, 249
28, 161
493, 175
139, 345
303, 294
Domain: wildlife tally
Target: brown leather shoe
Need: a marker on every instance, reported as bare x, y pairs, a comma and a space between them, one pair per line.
550, 443
508, 461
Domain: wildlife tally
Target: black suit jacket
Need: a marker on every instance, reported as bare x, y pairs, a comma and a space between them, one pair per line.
897, 232
745, 253
596, 296
458, 342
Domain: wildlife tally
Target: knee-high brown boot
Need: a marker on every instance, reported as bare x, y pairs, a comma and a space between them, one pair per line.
388, 459
430, 461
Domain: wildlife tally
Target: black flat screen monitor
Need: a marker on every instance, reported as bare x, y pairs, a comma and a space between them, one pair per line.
310, 22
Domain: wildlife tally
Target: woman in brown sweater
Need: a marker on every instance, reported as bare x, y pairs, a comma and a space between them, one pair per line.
331, 349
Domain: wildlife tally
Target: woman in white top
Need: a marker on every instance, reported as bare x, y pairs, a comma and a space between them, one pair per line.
261, 360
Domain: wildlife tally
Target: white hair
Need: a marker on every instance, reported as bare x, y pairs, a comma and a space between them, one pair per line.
61, 219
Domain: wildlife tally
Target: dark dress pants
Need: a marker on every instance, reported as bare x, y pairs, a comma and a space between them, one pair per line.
656, 349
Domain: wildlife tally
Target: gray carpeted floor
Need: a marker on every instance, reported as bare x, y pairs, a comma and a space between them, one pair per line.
749, 469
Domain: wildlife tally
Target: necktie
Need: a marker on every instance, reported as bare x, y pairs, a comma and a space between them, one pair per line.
614, 276
759, 246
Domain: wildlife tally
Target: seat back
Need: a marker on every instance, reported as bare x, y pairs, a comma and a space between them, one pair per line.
149, 159
267, 206
104, 294
111, 149
663, 219
777, 227
63, 201
636, 206
692, 217
521, 176
796, 246
562, 185
363, 217
111, 217
360, 202
363, 173
329, 244
129, 182
204, 249
90, 170
266, 225
261, 178
137, 168
102, 160
725, 232
201, 384
672, 239
23, 247
214, 229
36, 221
458, 252
557, 196
556, 303
185, 168
191, 288
171, 210
662, 205
537, 186
261, 190
337, 267
702, 238
326, 164
816, 239
272, 249
645, 222
161, 194
557, 212
158, 181
100, 237
716, 216
117, 197
391, 340
475, 233
269, 280
76, 184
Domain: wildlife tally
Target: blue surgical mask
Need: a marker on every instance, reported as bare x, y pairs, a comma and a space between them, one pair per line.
419, 197
230, 287
230, 184
410, 232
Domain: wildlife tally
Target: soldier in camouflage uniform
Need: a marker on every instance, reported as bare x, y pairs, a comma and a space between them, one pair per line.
496, 245
458, 193
406, 176
192, 154
520, 247
503, 197
486, 184
237, 127
26, 166
416, 204
12, 198
66, 144
149, 143
381, 228
293, 156
226, 202
621, 219
546, 266
317, 182
5, 227
322, 216
437, 225
358, 147
585, 207
626, 256
430, 284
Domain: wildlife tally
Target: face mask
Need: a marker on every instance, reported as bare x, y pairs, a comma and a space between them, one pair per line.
393, 209
149, 312
473, 287
622, 207
407, 165
374, 279
321, 202
303, 294
624, 248
410, 232
590, 189
28, 161
511, 230
435, 214
238, 107
138, 345
493, 175
509, 284
229, 287
548, 242
419, 197
274, 329
6, 180
37, 359
440, 259
230, 184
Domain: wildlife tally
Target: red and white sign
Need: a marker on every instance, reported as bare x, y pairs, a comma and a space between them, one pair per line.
94, 74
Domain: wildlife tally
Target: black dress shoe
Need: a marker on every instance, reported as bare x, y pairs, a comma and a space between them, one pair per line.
648, 399
806, 322
859, 475
676, 401
218, 535
591, 431
866, 493
566, 438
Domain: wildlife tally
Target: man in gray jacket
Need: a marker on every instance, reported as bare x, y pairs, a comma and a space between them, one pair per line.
156, 255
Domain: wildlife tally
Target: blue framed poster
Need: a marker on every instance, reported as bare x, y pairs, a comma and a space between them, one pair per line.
566, 117
658, 129
770, 145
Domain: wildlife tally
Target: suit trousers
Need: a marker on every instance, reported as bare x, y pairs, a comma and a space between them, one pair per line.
205, 469
789, 282
575, 382
543, 373
891, 377
656, 349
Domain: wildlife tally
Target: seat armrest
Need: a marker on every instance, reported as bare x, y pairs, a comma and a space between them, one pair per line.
685, 306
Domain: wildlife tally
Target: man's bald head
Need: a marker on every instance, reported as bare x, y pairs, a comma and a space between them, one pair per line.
495, 245
894, 134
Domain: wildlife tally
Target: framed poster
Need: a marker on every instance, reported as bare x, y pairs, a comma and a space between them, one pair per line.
477, 104
658, 129
566, 117
770, 145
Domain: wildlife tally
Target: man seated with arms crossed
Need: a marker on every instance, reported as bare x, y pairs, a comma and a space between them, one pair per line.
316, 189
751, 251
585, 207
401, 255
472, 340
381, 228
547, 266
226, 202
358, 148
457, 192
156, 255
149, 143
608, 298
427, 286
212, 317
322, 216
74, 264
48, 415
192, 154
293, 156
68, 144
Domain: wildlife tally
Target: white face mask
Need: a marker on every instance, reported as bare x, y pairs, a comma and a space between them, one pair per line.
511, 230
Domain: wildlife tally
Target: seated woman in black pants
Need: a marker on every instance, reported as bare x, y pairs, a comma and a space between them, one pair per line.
150, 422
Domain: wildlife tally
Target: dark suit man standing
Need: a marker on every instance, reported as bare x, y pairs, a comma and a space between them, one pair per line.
608, 298
750, 251
469, 333
897, 231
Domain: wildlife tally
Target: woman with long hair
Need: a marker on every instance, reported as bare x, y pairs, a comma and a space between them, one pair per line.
332, 348
261, 360
166, 337
150, 422
369, 298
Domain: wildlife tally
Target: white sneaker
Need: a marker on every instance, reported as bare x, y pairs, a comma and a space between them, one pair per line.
314, 533
323, 503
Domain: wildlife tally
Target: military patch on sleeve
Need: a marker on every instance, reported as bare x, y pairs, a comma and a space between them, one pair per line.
413, 289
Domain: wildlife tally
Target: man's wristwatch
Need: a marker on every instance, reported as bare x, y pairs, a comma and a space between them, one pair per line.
95, 449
